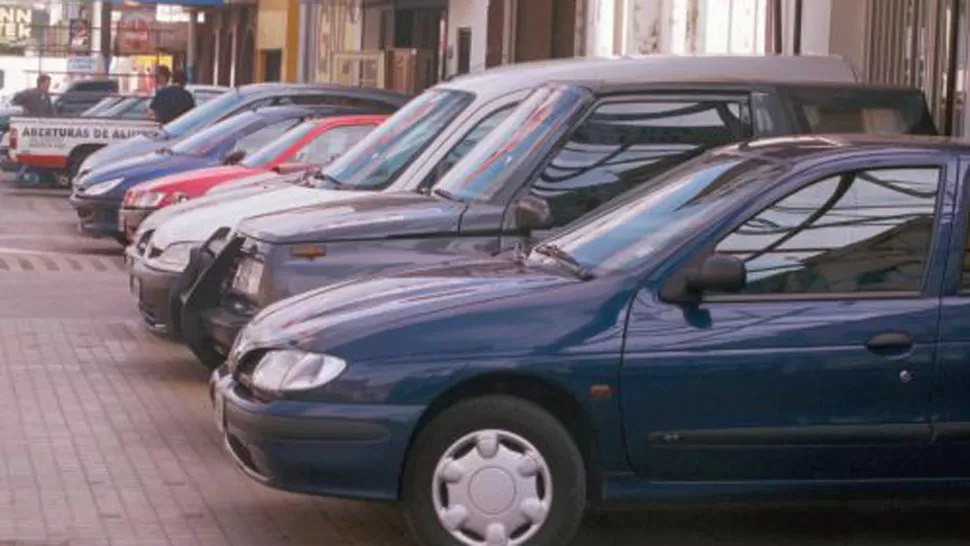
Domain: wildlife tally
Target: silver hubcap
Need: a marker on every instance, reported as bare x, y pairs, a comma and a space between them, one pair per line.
492, 488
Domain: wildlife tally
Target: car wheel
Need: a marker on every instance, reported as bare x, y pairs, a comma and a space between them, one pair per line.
495, 470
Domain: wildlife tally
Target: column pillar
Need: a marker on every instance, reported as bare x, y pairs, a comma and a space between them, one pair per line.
647, 28
191, 48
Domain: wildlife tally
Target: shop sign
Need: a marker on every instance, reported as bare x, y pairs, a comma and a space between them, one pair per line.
15, 24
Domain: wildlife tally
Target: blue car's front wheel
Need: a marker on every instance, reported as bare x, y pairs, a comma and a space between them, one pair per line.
495, 470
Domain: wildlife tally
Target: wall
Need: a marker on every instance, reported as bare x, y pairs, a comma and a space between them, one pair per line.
278, 28
468, 13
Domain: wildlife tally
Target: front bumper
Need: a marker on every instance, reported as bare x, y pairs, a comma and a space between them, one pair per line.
130, 218
341, 450
97, 217
157, 293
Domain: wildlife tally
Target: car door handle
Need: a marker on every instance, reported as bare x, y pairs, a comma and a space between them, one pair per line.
890, 343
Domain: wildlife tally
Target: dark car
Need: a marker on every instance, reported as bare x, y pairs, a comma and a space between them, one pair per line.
82, 95
241, 99
777, 317
566, 150
98, 196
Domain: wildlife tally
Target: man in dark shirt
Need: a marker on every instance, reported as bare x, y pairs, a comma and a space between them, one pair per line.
172, 101
36, 101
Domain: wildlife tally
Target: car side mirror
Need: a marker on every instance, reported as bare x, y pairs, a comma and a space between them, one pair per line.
234, 157
533, 213
718, 273
290, 168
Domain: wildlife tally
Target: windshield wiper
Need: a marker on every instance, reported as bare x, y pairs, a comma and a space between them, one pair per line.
446, 195
324, 178
165, 151
565, 258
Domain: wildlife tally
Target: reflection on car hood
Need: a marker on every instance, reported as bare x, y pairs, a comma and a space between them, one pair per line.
374, 215
136, 145
219, 172
353, 309
200, 218
145, 167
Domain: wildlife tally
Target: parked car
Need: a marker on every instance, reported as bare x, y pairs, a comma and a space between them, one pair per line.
60, 144
775, 317
98, 196
410, 152
242, 99
313, 142
566, 150
80, 95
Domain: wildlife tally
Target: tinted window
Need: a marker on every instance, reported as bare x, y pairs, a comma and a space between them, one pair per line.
217, 135
668, 207
272, 150
336, 100
623, 144
475, 136
261, 137
332, 144
867, 231
206, 114
863, 111
376, 160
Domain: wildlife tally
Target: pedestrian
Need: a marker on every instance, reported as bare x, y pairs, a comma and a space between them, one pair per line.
37, 100
170, 101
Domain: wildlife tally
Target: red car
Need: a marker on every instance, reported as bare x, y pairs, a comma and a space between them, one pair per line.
310, 144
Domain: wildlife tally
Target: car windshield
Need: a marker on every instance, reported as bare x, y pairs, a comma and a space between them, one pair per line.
272, 151
203, 115
102, 106
377, 160
524, 137
123, 106
615, 238
209, 139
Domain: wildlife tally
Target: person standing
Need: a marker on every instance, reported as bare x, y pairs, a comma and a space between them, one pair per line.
37, 100
172, 100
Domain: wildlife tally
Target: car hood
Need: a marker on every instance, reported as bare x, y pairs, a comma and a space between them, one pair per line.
376, 215
134, 146
145, 167
350, 310
196, 220
197, 176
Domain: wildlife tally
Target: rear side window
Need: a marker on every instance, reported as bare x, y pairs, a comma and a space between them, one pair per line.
891, 111
623, 144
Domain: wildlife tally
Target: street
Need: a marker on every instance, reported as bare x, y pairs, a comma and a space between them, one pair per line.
106, 434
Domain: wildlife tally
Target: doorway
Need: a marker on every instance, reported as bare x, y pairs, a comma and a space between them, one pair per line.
272, 65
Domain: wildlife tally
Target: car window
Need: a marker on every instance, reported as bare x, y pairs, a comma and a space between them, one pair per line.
625, 143
332, 144
205, 115
261, 137
834, 110
476, 135
866, 231
375, 162
217, 135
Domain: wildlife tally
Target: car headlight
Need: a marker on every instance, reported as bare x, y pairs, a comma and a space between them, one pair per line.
147, 200
294, 370
102, 188
174, 258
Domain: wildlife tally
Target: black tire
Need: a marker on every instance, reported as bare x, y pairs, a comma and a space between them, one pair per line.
514, 415
206, 353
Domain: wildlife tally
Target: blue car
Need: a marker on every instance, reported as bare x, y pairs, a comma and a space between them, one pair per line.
97, 196
238, 100
780, 316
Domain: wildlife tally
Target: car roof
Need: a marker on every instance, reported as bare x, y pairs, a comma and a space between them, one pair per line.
659, 69
278, 88
828, 146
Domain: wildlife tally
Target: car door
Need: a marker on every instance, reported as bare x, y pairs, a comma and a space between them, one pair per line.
821, 367
625, 141
951, 405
